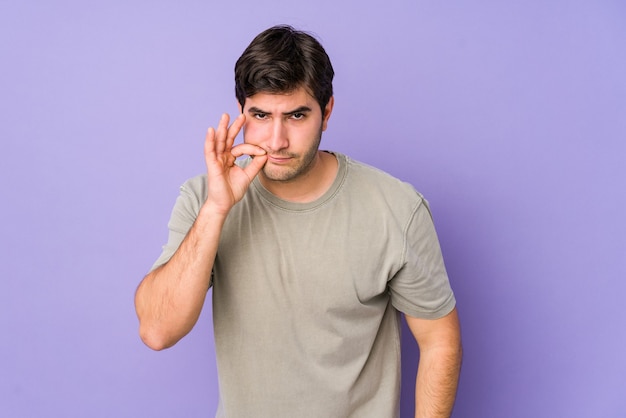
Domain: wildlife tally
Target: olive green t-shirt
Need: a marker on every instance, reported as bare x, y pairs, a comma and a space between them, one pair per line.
306, 295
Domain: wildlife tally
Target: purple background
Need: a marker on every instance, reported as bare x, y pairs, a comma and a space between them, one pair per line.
509, 116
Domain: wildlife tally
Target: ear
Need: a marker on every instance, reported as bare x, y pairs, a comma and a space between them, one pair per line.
328, 110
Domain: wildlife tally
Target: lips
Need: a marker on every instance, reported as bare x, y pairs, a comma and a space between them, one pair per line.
278, 159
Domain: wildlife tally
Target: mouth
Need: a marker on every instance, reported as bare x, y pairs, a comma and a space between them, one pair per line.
275, 159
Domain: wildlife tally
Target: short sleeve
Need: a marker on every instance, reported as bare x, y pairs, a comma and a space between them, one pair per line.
421, 287
192, 196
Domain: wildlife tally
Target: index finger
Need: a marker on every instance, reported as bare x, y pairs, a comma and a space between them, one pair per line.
234, 129
247, 149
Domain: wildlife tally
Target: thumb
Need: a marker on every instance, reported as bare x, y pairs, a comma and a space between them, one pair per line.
255, 166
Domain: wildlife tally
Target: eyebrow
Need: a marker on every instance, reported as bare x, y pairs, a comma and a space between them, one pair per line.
301, 109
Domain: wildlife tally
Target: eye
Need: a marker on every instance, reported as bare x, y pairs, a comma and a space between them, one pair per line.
297, 116
260, 115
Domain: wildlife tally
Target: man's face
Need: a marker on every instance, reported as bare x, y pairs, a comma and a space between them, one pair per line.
289, 127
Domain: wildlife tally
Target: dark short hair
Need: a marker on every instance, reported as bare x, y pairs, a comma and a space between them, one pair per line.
281, 60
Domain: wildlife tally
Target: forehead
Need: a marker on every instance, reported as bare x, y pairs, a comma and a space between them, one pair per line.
281, 101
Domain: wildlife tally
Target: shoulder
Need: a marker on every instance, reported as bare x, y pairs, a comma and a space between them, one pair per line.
374, 181
195, 185
193, 192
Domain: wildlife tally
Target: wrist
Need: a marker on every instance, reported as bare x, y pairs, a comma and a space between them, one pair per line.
213, 211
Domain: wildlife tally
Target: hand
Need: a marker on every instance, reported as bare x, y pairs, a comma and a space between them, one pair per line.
227, 183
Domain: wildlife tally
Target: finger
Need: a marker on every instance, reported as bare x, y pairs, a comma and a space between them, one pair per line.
247, 149
221, 133
209, 145
234, 129
230, 160
255, 166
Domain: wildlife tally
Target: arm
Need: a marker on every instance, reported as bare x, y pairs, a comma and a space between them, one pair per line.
439, 366
169, 299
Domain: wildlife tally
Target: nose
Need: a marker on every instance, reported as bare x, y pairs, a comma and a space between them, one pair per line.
278, 139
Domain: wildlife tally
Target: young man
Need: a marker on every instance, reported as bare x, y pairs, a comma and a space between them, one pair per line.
310, 256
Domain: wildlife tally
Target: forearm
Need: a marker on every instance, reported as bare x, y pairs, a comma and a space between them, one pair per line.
437, 380
170, 298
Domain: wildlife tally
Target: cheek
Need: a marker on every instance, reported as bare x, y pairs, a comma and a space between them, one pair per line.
249, 133
252, 133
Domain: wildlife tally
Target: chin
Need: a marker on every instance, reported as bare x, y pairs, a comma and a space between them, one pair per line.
279, 174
